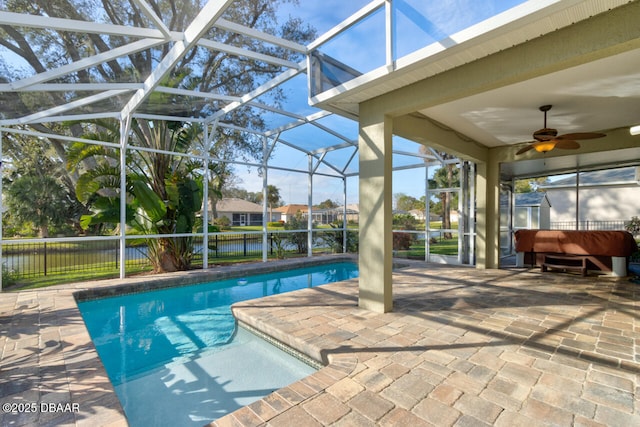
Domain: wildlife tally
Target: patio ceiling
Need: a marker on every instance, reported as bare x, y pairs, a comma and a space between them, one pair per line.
601, 94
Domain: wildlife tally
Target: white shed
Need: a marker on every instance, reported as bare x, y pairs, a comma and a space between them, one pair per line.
532, 211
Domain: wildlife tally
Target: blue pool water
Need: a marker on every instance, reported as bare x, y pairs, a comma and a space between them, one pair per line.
177, 355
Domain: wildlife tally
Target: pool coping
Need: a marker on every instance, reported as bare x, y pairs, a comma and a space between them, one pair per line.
47, 354
446, 330
149, 283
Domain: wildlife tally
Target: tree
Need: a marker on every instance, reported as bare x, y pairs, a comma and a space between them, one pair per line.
201, 69
529, 185
164, 191
327, 204
39, 200
335, 240
37, 195
273, 198
448, 176
161, 188
407, 203
299, 239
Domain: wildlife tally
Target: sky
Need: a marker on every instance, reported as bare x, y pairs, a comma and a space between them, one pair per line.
419, 23
294, 187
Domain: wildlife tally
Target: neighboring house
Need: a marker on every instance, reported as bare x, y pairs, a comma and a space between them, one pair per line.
353, 212
320, 216
603, 196
289, 211
417, 214
532, 211
240, 212
327, 216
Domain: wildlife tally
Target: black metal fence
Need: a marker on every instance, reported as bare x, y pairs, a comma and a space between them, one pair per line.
25, 260
589, 225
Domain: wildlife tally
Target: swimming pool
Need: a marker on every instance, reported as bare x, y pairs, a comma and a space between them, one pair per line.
178, 351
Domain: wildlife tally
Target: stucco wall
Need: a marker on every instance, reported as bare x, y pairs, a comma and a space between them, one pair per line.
596, 204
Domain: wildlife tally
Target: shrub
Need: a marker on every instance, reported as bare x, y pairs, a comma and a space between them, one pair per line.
275, 224
633, 226
405, 222
223, 222
298, 239
335, 239
9, 277
402, 241
278, 243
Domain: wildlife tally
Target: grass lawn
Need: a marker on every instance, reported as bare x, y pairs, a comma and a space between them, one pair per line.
443, 247
55, 278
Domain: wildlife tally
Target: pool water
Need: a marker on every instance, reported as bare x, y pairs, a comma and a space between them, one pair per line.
176, 357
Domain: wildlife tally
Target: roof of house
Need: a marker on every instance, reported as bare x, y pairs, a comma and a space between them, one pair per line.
536, 198
601, 177
237, 205
291, 209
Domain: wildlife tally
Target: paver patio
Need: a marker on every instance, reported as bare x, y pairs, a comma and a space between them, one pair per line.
462, 347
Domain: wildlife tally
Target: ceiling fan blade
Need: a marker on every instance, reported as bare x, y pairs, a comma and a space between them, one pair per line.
524, 149
567, 144
580, 135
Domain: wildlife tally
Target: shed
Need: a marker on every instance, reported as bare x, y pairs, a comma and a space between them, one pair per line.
532, 211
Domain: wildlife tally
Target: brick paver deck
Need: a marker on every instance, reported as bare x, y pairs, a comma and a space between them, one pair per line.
462, 347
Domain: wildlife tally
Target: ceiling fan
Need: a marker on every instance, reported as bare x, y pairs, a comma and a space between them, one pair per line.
547, 139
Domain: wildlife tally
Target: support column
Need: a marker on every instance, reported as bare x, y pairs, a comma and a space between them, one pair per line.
310, 209
205, 199
488, 214
376, 237
344, 215
1, 232
125, 126
265, 194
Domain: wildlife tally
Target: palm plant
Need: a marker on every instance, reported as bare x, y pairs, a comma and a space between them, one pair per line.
164, 191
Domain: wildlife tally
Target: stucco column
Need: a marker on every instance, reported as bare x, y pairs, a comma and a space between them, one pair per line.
488, 214
376, 247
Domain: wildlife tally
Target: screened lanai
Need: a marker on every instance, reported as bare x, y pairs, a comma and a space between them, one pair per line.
352, 101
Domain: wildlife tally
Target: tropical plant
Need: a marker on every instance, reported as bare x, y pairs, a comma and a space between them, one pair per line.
336, 239
278, 244
298, 239
207, 70
633, 226
164, 191
36, 199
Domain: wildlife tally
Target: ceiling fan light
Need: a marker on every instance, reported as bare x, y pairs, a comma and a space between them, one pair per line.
634, 130
544, 146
